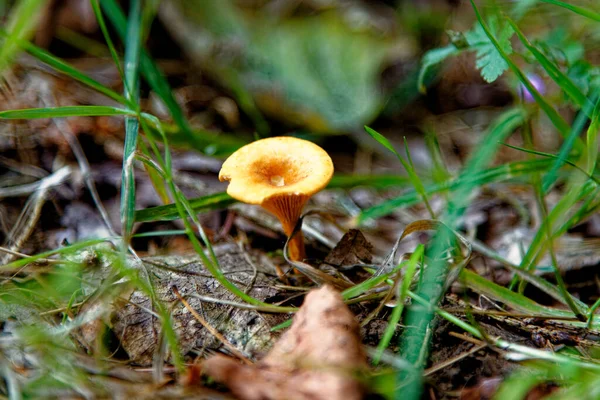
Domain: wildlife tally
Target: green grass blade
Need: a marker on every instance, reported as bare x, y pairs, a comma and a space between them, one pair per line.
362, 287
576, 9
132, 61
67, 69
545, 286
71, 248
186, 213
21, 25
415, 339
206, 142
588, 208
542, 208
218, 201
210, 142
565, 83
560, 124
340, 181
107, 38
518, 385
415, 179
492, 175
516, 301
561, 159
562, 80
158, 181
149, 11
215, 201
505, 124
86, 45
565, 150
382, 140
66, 111
556, 220
412, 174
592, 140
244, 99
394, 319
154, 77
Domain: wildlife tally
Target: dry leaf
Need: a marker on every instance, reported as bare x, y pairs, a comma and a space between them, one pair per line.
317, 358
138, 330
352, 249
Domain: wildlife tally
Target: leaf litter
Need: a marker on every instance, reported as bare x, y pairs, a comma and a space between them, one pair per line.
319, 357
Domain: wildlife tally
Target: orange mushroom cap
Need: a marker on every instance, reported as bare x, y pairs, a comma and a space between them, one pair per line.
280, 174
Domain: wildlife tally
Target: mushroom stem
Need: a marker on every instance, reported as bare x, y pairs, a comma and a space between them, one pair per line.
296, 249
287, 209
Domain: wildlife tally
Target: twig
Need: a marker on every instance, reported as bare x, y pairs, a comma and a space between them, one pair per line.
53, 180
28, 218
22, 255
245, 306
447, 363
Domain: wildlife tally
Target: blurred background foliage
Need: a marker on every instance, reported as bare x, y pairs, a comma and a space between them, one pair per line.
319, 69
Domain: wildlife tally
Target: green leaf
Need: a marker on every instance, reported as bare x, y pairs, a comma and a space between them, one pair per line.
586, 12
562, 46
67, 111
431, 59
489, 61
585, 76
516, 301
21, 25
382, 140
557, 120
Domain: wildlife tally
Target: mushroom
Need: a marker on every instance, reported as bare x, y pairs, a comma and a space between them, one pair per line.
280, 174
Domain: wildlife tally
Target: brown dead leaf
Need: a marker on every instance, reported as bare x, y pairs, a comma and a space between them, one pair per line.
138, 330
317, 358
352, 249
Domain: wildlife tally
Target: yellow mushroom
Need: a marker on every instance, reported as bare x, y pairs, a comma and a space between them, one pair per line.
280, 174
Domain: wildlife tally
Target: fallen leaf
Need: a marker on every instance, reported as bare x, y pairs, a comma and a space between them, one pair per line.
137, 329
352, 249
319, 357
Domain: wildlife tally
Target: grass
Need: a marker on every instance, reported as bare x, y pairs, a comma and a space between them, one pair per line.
424, 278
